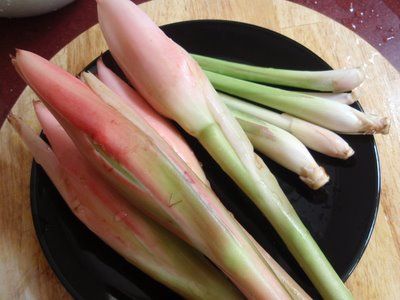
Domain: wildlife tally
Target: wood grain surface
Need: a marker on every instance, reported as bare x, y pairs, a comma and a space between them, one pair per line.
24, 272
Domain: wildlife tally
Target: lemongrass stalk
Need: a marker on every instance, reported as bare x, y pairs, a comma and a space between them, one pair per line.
329, 114
313, 136
329, 81
345, 98
138, 239
283, 148
295, 291
117, 85
160, 124
170, 80
138, 159
102, 91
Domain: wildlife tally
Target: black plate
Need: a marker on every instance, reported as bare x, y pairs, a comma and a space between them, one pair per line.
340, 216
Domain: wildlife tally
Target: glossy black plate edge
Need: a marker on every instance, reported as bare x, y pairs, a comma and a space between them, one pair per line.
34, 209
252, 26
377, 200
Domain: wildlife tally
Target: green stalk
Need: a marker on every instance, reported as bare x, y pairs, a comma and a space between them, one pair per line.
290, 285
329, 81
270, 197
169, 79
329, 114
274, 205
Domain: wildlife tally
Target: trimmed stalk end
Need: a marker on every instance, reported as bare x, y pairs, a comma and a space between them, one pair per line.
383, 125
346, 153
373, 124
348, 80
318, 138
350, 99
339, 148
315, 177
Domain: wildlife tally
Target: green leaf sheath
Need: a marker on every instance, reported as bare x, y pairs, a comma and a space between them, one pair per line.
329, 114
276, 98
328, 81
278, 210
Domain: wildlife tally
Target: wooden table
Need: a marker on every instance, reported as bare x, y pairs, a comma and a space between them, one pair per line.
24, 272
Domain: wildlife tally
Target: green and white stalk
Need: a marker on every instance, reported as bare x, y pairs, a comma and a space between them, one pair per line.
345, 98
328, 81
283, 148
170, 80
120, 87
329, 114
313, 136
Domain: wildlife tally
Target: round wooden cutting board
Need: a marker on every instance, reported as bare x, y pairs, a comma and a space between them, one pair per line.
24, 271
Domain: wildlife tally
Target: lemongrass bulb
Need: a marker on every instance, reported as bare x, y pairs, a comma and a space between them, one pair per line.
283, 148
329, 114
313, 136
